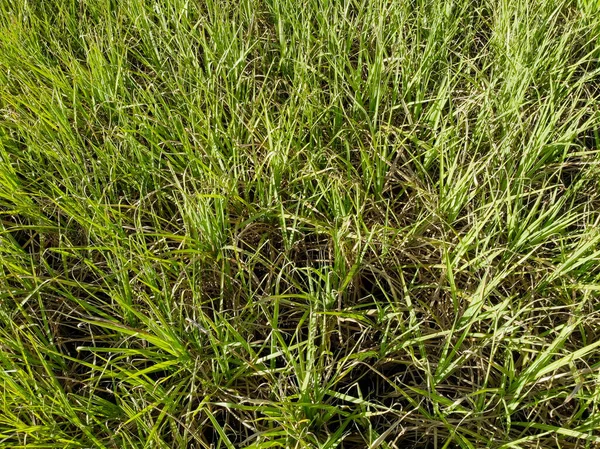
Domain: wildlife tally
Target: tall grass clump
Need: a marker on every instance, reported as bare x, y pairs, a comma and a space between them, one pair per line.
299, 224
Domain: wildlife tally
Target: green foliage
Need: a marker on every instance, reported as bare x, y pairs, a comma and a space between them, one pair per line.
299, 224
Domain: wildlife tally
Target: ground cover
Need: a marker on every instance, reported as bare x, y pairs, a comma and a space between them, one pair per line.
299, 224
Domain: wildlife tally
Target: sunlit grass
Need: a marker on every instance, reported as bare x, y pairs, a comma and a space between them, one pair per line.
319, 224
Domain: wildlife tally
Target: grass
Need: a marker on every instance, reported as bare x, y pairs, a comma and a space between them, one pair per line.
299, 224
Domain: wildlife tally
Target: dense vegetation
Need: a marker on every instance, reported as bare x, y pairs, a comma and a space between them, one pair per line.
299, 224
